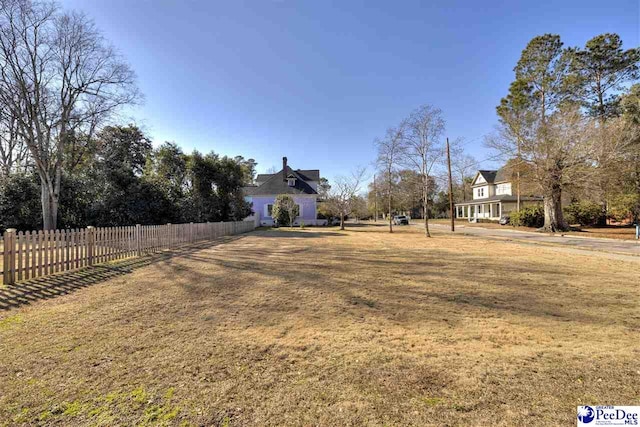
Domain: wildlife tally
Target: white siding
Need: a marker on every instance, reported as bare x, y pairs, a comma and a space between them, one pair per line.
481, 192
504, 188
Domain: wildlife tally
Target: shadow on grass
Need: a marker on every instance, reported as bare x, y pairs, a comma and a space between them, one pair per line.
406, 284
43, 288
296, 233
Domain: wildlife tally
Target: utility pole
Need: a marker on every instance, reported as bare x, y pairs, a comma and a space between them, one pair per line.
375, 199
519, 161
453, 226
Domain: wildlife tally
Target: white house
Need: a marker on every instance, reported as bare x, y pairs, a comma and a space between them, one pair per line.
301, 185
493, 196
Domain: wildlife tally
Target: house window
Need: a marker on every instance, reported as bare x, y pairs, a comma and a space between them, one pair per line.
504, 188
291, 182
268, 210
481, 192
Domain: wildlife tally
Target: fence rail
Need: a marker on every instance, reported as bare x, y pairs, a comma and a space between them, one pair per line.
31, 254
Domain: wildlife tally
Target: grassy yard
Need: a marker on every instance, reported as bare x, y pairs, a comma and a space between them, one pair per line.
321, 327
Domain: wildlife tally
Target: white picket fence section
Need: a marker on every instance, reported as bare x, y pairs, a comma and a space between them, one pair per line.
31, 254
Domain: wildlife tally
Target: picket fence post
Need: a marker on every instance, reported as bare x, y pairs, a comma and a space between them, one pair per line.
91, 243
9, 261
138, 242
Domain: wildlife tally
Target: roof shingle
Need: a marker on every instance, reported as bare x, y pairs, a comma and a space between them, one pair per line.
276, 184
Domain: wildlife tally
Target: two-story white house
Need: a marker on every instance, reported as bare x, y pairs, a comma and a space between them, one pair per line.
493, 197
301, 185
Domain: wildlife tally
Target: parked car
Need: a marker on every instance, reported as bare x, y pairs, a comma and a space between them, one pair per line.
504, 220
401, 220
335, 221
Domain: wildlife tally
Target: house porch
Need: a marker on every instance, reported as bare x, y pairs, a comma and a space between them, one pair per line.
479, 210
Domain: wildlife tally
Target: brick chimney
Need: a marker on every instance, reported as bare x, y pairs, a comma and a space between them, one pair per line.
284, 168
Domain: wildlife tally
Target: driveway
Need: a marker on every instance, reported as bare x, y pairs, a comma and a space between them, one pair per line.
612, 246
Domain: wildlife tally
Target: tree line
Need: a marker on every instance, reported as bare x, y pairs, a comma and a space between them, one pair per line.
571, 120
121, 179
568, 130
63, 161
411, 171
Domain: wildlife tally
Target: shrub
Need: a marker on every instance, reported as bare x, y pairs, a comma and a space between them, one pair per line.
529, 216
285, 210
583, 213
625, 206
20, 202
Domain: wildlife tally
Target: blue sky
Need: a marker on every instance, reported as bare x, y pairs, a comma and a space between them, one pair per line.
317, 81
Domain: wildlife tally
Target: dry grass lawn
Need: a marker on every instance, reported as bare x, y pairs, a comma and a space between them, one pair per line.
321, 327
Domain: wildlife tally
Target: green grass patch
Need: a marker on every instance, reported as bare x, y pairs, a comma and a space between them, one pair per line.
10, 321
432, 401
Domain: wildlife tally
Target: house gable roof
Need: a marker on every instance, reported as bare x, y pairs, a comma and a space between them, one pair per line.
490, 177
305, 174
276, 184
501, 176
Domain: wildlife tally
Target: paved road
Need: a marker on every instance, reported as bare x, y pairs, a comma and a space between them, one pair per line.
623, 247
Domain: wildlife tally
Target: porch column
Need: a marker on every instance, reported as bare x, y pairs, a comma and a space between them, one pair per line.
490, 210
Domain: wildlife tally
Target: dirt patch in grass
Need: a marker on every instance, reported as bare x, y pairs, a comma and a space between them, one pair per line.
313, 327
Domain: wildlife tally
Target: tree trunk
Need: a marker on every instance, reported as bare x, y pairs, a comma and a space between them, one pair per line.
341, 221
425, 207
390, 217
49, 201
553, 217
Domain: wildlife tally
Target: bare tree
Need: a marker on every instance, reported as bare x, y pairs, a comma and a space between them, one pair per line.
388, 160
462, 165
423, 149
359, 207
60, 79
343, 194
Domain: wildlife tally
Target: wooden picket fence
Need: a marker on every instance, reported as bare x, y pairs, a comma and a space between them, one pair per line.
27, 255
